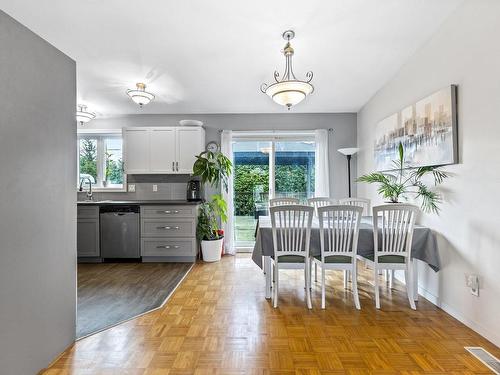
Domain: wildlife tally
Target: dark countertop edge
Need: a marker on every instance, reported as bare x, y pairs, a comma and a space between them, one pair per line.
141, 203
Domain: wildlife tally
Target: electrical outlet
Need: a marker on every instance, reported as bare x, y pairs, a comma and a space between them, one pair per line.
131, 188
472, 281
155, 187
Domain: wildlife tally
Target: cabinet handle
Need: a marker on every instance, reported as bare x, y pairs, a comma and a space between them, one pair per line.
167, 227
167, 247
167, 212
173, 166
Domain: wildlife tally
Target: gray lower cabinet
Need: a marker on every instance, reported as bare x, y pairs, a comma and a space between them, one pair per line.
168, 233
88, 233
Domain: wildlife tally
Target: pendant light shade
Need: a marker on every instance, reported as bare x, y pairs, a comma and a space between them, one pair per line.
288, 91
140, 95
82, 115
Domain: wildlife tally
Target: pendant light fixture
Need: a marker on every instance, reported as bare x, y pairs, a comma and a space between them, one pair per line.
140, 95
288, 90
82, 115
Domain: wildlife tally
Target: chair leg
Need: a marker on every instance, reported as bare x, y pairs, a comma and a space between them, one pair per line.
276, 286
391, 279
355, 286
323, 287
409, 291
308, 281
345, 279
377, 296
315, 272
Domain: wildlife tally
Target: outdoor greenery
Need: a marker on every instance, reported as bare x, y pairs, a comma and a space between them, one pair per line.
88, 157
88, 163
208, 218
252, 180
405, 181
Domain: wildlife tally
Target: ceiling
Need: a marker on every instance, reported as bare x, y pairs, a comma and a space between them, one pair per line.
202, 56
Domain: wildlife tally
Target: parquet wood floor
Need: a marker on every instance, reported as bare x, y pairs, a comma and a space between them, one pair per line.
218, 322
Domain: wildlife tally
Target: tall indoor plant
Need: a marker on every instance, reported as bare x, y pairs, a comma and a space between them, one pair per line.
405, 181
213, 168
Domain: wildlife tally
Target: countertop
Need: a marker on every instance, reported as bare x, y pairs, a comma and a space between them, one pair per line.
137, 202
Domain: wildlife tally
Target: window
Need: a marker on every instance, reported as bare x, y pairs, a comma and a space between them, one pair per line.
100, 160
269, 166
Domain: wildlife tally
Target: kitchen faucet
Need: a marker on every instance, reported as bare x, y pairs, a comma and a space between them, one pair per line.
89, 192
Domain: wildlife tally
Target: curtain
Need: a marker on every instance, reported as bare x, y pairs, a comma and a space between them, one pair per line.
227, 149
322, 170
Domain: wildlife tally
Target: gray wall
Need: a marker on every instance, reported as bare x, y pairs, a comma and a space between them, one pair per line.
343, 132
464, 51
37, 200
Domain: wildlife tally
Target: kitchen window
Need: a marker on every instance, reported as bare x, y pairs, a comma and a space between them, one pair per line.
100, 160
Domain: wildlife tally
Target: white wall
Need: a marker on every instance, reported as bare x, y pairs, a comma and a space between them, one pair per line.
37, 200
343, 132
465, 51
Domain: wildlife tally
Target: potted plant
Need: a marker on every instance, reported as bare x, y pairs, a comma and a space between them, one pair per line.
215, 169
406, 181
208, 231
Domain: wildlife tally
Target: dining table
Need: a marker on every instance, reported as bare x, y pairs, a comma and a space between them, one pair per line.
424, 247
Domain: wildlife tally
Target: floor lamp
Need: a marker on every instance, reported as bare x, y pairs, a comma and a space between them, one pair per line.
348, 152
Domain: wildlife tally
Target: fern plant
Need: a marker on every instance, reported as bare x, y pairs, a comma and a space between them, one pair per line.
405, 181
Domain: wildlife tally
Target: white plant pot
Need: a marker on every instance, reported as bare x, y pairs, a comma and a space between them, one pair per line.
211, 250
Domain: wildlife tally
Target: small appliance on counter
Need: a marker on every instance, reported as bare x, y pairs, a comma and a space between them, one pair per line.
194, 191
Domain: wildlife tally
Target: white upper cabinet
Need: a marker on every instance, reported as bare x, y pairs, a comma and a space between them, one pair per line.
136, 150
188, 140
165, 150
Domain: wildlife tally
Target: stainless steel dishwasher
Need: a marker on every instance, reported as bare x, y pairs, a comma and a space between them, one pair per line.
119, 231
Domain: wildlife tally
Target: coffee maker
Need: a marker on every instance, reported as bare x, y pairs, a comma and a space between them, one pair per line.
194, 190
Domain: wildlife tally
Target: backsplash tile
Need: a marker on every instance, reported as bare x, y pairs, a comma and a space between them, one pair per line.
144, 191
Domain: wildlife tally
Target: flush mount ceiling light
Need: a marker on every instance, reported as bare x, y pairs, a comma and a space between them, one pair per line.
82, 115
140, 95
289, 90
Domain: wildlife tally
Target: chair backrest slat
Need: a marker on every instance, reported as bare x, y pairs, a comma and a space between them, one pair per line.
291, 227
320, 202
339, 229
283, 201
394, 224
360, 202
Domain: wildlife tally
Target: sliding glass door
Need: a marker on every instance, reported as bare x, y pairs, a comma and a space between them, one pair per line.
264, 168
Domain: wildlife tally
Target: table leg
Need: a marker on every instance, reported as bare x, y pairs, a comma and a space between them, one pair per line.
414, 264
267, 271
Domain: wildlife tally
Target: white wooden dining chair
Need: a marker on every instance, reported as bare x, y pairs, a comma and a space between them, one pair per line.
339, 230
361, 202
273, 202
291, 228
393, 226
320, 202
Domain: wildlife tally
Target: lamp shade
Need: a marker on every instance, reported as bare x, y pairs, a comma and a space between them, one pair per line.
140, 96
348, 151
289, 93
82, 115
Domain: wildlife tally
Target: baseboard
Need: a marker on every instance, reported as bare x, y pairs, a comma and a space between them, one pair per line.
475, 326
